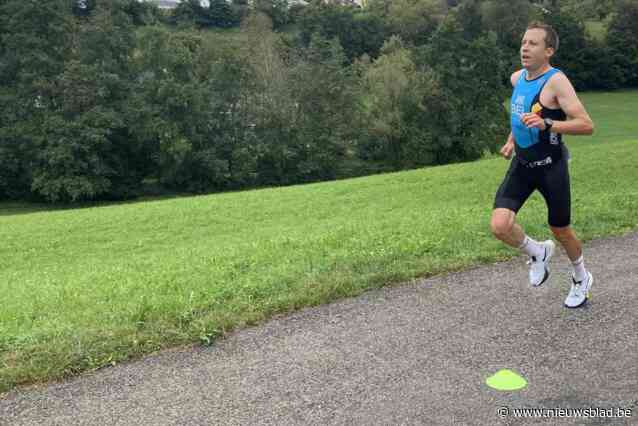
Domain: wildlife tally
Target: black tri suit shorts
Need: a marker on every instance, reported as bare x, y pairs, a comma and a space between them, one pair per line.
551, 180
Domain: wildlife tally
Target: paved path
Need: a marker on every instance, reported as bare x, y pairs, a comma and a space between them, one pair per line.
412, 354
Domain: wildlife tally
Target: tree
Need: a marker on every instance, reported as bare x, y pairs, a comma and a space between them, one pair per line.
272, 109
587, 9
221, 14
466, 104
191, 12
231, 86
83, 148
142, 12
174, 118
414, 20
276, 10
508, 21
358, 32
70, 167
16, 148
573, 43
323, 92
397, 132
470, 19
622, 38
33, 42
240, 9
33, 47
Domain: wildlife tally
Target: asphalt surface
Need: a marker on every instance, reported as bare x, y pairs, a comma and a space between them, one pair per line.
417, 353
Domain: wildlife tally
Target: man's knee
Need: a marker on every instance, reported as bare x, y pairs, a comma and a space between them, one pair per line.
563, 234
501, 224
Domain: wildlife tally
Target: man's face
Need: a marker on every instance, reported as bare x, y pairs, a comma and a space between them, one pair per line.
534, 53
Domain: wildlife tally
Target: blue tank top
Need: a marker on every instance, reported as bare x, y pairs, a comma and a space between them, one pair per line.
534, 144
525, 96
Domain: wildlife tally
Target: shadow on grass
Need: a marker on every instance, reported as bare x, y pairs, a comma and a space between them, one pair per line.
14, 208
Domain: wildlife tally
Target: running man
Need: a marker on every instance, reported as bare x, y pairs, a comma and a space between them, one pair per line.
544, 106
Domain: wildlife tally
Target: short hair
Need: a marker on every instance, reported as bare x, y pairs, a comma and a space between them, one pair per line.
551, 37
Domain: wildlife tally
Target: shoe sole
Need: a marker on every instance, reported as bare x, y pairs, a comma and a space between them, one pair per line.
587, 295
549, 257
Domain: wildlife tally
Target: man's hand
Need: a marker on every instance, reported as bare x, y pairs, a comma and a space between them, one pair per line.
508, 149
533, 120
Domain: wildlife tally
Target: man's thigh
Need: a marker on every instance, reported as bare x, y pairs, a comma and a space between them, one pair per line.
555, 188
514, 190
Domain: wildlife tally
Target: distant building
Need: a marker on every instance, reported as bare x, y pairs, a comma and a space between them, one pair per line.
360, 3
172, 4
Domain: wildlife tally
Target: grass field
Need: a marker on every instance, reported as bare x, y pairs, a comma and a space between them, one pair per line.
91, 287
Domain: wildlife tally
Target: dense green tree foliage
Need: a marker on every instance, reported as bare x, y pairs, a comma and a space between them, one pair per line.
358, 32
413, 21
397, 132
33, 45
468, 116
111, 99
221, 14
622, 40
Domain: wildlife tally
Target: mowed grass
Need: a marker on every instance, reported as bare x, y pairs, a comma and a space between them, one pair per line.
86, 288
613, 114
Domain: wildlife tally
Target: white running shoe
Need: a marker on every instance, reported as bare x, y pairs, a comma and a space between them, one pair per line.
579, 293
539, 269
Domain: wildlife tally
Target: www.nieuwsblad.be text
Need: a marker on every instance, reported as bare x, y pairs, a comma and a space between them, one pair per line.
589, 412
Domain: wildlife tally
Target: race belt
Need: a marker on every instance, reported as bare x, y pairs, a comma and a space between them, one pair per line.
539, 163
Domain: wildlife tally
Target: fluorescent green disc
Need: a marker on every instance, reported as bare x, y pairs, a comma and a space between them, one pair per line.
506, 380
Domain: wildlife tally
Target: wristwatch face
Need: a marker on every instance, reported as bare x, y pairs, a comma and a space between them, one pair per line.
548, 123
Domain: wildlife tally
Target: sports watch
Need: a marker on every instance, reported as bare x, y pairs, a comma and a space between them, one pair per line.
548, 123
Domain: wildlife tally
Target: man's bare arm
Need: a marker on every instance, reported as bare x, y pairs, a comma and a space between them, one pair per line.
508, 148
515, 76
578, 121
